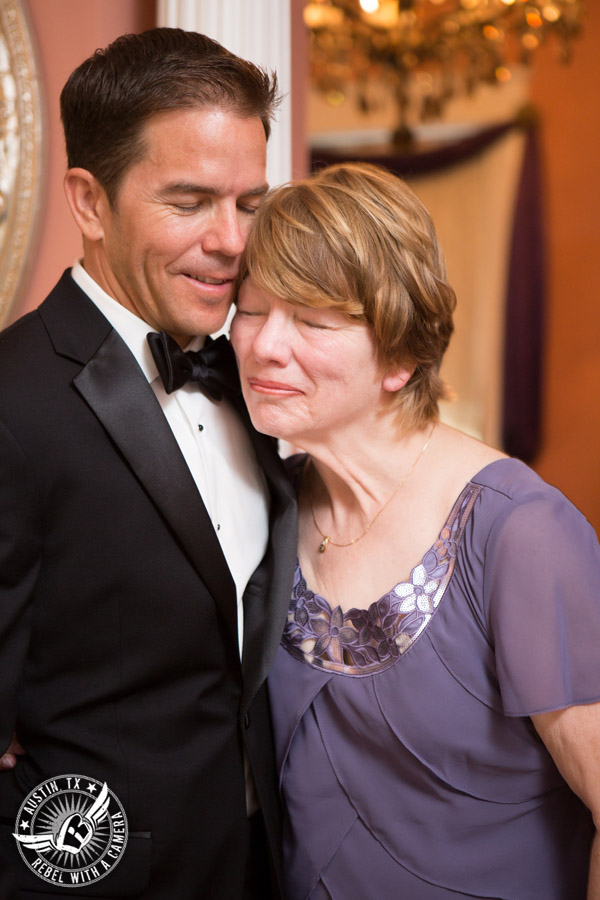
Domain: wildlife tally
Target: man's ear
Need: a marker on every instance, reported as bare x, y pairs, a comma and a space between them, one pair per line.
88, 202
395, 379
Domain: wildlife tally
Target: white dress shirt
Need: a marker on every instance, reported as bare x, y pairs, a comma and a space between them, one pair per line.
214, 443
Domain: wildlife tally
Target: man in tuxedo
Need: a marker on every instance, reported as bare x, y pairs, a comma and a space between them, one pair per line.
147, 533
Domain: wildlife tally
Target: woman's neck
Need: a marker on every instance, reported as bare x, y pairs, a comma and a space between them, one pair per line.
348, 482
344, 491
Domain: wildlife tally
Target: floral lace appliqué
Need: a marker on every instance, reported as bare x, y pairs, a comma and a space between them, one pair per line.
364, 641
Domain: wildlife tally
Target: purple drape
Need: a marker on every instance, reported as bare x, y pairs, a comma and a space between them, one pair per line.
525, 313
525, 300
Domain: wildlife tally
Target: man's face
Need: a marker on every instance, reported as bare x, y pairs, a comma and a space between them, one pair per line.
171, 244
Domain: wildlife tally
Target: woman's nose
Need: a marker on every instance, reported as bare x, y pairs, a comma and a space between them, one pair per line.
272, 342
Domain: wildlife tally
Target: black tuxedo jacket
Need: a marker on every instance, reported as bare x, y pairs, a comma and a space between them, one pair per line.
119, 656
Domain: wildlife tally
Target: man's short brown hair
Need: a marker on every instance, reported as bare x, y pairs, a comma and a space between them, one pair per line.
108, 99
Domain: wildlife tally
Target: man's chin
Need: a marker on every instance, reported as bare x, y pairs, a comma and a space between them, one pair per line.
208, 321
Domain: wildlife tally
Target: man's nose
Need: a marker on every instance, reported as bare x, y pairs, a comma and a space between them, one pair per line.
226, 233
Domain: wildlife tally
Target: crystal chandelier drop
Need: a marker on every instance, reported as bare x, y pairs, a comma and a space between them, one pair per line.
428, 51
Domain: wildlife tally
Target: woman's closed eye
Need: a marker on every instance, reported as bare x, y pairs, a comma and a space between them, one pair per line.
249, 312
317, 325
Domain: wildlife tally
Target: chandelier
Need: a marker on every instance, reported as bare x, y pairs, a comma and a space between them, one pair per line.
429, 51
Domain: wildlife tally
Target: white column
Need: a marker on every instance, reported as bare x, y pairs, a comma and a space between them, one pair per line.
257, 30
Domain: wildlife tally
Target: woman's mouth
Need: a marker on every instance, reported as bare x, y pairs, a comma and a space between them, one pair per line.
276, 388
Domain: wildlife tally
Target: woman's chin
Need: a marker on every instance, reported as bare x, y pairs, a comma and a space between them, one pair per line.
271, 423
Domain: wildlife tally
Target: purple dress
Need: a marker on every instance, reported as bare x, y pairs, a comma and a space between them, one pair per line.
409, 767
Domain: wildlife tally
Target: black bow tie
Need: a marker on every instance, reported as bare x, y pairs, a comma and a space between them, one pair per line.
213, 368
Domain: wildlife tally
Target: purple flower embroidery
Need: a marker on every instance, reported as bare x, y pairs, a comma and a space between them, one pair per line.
332, 635
448, 540
367, 623
300, 596
376, 627
387, 649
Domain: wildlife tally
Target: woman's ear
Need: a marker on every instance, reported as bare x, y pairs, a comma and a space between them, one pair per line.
88, 202
395, 379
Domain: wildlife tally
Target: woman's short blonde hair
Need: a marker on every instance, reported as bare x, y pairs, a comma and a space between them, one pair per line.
356, 238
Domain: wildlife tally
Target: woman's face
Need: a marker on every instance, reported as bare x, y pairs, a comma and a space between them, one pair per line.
307, 374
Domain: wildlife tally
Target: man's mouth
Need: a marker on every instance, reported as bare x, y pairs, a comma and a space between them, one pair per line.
204, 280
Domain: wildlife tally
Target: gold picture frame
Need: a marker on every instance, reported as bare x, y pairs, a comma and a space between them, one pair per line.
21, 151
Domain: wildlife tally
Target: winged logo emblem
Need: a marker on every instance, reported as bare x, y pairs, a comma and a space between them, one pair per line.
74, 833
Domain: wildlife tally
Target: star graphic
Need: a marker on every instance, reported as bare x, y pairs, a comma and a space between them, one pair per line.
24, 825
92, 787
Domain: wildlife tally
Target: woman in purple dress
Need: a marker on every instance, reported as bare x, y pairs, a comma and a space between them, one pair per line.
436, 694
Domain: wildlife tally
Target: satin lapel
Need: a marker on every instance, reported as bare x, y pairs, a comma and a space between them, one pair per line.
267, 596
115, 389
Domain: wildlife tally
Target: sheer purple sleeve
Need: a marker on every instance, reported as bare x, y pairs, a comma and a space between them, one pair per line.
542, 594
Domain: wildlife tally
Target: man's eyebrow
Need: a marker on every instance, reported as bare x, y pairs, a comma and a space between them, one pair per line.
190, 187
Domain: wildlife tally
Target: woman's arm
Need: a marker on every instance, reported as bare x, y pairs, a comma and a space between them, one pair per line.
572, 737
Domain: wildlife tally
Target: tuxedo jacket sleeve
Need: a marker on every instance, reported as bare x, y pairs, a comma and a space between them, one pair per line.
119, 656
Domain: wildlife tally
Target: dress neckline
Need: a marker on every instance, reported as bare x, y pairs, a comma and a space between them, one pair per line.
363, 642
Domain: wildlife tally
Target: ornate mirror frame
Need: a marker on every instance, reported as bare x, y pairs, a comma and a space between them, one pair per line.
20, 150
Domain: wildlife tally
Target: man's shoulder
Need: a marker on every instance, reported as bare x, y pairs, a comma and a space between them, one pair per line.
28, 322
25, 363
65, 318
21, 338
28, 346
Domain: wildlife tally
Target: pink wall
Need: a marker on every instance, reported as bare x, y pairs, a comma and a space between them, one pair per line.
66, 32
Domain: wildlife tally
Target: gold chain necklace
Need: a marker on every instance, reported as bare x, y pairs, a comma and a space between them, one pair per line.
326, 538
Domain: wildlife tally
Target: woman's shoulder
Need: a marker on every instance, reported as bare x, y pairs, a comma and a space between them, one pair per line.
515, 482
525, 515
467, 460
511, 493
513, 479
